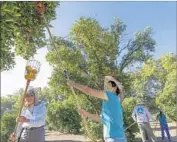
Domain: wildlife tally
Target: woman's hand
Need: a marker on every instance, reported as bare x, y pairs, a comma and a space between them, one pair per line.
22, 119
120, 86
70, 83
86, 114
83, 113
12, 137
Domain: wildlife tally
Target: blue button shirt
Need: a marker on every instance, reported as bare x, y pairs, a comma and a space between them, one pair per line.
36, 114
112, 117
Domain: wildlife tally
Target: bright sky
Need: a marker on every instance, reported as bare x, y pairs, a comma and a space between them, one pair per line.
161, 16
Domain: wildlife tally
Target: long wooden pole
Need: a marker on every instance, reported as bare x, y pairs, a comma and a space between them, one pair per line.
130, 126
72, 89
78, 107
22, 102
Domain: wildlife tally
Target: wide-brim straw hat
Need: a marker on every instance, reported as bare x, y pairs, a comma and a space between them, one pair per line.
108, 86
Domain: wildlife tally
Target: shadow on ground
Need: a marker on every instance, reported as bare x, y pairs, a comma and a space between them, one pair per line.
170, 128
174, 139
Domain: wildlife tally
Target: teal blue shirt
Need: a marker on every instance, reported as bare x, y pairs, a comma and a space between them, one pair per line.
162, 119
112, 117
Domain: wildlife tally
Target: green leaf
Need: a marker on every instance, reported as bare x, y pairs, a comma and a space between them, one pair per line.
17, 14
7, 10
4, 5
9, 20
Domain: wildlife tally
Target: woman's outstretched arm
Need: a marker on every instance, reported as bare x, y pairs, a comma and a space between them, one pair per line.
89, 91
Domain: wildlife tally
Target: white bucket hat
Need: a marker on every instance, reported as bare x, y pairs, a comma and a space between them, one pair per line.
108, 86
33, 92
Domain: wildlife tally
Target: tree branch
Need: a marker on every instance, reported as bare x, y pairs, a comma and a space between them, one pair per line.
128, 44
128, 57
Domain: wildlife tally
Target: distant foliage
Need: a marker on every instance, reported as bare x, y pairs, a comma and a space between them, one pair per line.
63, 117
7, 125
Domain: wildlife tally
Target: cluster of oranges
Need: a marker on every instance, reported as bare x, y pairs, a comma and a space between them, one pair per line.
31, 73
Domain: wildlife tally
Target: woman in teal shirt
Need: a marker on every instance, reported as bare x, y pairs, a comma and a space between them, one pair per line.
111, 116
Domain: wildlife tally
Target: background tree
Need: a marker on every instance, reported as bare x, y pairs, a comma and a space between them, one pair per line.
7, 125
11, 101
9, 111
63, 117
166, 95
155, 83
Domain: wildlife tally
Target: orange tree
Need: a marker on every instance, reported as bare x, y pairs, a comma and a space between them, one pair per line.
22, 29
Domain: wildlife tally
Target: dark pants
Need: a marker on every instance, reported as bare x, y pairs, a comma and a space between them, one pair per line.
164, 128
33, 135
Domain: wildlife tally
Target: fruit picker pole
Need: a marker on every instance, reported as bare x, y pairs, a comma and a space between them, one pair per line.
31, 71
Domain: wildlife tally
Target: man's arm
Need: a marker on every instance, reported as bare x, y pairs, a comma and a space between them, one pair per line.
149, 115
134, 114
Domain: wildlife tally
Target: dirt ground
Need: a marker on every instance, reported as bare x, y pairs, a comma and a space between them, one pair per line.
60, 137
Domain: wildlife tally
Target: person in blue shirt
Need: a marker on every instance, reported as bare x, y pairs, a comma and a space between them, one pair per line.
32, 120
163, 125
111, 115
